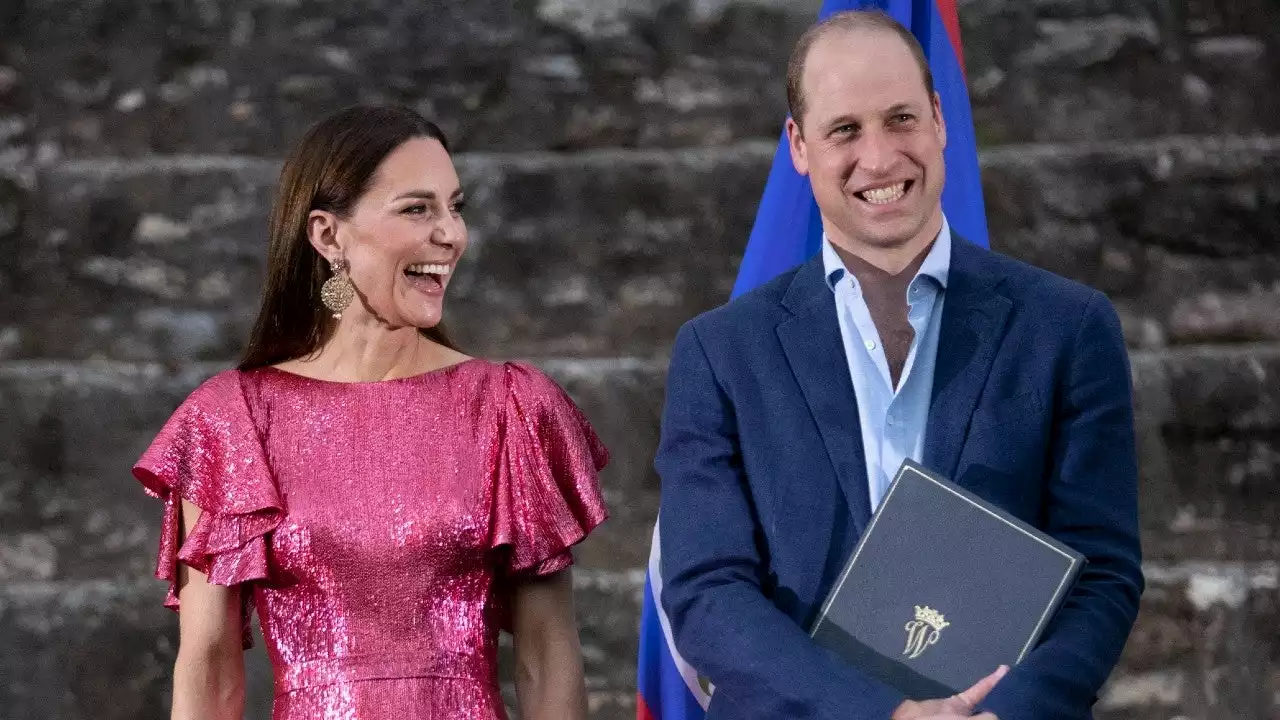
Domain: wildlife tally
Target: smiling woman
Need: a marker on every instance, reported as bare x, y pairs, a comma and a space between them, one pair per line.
386, 503
366, 189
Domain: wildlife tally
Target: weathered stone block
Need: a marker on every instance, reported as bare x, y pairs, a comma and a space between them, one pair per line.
1148, 223
582, 255
1227, 317
1203, 645
103, 78
1081, 70
1207, 447
246, 77
70, 509
95, 650
74, 433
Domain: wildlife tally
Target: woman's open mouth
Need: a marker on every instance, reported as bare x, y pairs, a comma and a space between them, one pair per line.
427, 277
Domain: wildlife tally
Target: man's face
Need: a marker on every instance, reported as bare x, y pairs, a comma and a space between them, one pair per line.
870, 140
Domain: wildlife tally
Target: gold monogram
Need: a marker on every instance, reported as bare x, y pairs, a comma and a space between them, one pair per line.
924, 630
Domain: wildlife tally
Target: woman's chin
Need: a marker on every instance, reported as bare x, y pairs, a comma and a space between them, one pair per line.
424, 319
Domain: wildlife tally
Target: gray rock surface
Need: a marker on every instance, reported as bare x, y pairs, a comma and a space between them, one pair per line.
614, 152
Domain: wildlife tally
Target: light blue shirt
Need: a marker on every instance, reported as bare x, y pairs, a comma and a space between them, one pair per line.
893, 421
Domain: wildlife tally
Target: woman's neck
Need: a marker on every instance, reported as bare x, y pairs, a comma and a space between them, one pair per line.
371, 354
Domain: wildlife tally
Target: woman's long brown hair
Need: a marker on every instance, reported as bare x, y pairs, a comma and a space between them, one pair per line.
331, 167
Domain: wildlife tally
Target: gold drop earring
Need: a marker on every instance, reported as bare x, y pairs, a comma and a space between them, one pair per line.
337, 292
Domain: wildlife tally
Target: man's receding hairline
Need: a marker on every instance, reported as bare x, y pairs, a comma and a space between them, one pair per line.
848, 22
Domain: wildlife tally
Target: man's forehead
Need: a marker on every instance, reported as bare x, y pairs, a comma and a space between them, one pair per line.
872, 70
858, 45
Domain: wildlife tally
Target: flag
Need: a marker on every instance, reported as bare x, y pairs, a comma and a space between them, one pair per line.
787, 232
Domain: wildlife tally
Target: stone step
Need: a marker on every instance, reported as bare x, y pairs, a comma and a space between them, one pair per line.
69, 508
1210, 456
584, 255
1200, 647
1203, 645
104, 650
1118, 69
112, 78
161, 258
130, 78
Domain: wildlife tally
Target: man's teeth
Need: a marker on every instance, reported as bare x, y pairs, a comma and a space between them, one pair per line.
428, 269
884, 195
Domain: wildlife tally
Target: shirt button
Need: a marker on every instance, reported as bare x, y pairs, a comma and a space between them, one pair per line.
870, 344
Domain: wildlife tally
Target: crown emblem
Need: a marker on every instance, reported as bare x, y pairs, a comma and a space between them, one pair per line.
924, 631
931, 617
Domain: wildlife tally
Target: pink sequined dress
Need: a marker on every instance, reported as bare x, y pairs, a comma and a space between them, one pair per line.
374, 526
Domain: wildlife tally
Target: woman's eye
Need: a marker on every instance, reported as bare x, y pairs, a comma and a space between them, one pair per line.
458, 207
418, 209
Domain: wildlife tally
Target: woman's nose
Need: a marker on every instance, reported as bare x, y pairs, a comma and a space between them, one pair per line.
449, 232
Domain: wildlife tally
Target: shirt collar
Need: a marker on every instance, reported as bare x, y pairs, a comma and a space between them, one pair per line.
936, 265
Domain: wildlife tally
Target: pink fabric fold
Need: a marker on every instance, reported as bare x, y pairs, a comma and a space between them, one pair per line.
209, 454
547, 495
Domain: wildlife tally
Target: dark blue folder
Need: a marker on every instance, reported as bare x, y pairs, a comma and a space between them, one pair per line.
942, 588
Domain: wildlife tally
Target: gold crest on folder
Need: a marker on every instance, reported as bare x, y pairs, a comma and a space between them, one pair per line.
924, 630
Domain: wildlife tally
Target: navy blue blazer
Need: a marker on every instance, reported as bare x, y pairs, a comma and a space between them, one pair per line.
764, 486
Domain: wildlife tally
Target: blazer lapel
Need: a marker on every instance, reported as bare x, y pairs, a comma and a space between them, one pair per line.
813, 347
973, 323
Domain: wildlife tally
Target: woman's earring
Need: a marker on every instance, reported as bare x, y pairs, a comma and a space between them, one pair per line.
337, 292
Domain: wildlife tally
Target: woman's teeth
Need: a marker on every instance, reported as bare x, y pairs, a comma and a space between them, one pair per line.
884, 195
428, 269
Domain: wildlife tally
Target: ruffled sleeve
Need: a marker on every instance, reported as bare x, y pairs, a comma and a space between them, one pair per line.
547, 493
209, 454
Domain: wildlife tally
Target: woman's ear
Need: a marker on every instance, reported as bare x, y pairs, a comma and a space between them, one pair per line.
322, 232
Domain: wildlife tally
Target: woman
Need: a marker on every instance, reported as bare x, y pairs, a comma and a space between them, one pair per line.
385, 502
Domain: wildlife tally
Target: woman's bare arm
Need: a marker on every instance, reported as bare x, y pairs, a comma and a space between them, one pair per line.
549, 675
208, 676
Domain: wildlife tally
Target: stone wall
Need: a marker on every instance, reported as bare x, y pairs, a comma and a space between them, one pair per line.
614, 152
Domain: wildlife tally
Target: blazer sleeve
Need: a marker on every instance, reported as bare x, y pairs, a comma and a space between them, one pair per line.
760, 661
1092, 506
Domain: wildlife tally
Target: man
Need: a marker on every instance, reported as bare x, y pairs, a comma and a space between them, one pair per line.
789, 409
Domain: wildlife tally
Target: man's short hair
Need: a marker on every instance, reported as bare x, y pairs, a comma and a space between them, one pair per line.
846, 21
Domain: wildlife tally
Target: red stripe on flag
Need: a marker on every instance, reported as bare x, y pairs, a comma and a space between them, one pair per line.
951, 20
642, 710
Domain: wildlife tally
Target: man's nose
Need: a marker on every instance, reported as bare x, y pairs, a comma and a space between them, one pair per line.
876, 152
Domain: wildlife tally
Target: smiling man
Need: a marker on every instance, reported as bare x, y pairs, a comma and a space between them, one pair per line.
789, 409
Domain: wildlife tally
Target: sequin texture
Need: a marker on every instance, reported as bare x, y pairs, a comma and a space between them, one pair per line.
373, 525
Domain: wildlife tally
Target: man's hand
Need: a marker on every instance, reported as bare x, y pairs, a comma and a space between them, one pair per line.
960, 705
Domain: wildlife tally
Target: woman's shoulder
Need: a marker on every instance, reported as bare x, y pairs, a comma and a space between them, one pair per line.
525, 377
219, 392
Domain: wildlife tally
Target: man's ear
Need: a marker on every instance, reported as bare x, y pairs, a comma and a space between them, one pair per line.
799, 152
